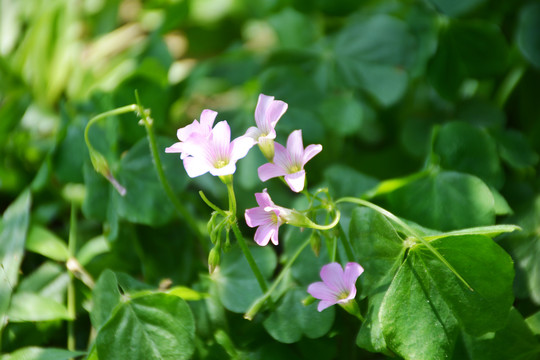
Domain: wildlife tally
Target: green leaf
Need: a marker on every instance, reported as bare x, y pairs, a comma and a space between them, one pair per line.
49, 280
533, 322
378, 247
145, 201
37, 353
156, 326
370, 336
12, 238
346, 181
515, 149
92, 248
44, 242
292, 319
441, 304
375, 63
236, 285
445, 200
528, 35
465, 148
34, 307
490, 231
456, 7
105, 297
462, 53
514, 341
341, 114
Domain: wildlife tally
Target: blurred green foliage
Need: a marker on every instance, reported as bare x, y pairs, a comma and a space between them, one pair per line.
427, 107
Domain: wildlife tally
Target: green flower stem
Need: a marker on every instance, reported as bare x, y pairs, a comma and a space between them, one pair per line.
71, 307
249, 257
252, 311
212, 205
232, 198
346, 243
411, 231
312, 225
352, 308
180, 208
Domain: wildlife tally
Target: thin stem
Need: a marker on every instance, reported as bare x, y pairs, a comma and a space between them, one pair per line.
346, 244
326, 227
249, 257
182, 210
232, 198
261, 300
411, 231
211, 204
72, 246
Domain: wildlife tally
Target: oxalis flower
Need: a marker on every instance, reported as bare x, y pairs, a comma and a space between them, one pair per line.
269, 217
267, 114
289, 162
193, 133
203, 150
337, 286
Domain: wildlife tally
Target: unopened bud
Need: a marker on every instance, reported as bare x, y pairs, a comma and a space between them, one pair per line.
214, 259
315, 242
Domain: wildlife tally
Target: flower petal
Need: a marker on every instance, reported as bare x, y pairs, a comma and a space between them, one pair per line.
323, 304
296, 181
221, 140
295, 148
263, 103
196, 166
264, 233
269, 170
240, 147
332, 276
254, 133
174, 148
351, 274
281, 156
207, 118
275, 111
320, 291
310, 152
263, 199
257, 217
228, 169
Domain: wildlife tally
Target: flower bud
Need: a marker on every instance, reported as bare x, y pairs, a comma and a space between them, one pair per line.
214, 259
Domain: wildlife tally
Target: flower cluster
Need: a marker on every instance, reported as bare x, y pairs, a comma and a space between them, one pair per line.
204, 148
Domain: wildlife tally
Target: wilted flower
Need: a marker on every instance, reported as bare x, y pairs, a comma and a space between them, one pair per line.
204, 149
267, 114
337, 286
289, 162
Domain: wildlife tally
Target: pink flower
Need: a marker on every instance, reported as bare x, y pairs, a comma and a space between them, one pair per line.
289, 162
267, 114
337, 286
204, 149
268, 217
192, 133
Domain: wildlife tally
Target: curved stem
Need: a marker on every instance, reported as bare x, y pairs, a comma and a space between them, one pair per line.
326, 227
252, 311
411, 231
211, 204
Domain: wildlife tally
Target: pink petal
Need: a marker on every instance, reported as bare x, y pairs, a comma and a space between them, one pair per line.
260, 111
263, 199
268, 171
196, 166
174, 148
296, 181
281, 157
254, 133
274, 113
257, 217
323, 304
264, 233
320, 291
207, 118
295, 147
332, 276
310, 152
240, 147
221, 139
351, 274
